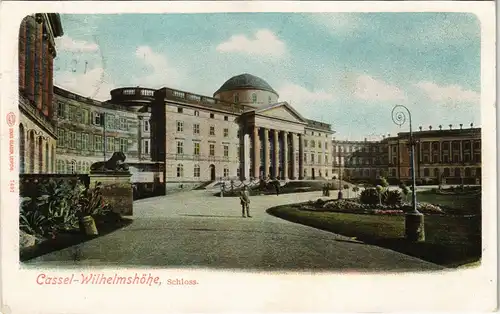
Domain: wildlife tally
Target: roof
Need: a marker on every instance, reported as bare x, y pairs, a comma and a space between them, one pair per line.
245, 81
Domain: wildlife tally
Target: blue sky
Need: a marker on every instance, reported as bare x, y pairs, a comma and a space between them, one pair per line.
345, 69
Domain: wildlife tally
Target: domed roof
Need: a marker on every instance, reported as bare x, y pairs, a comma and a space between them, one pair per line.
245, 81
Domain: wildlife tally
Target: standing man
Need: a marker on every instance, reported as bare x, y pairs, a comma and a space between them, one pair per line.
245, 202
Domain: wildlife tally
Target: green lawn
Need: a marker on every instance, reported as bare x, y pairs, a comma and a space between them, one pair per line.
450, 240
468, 204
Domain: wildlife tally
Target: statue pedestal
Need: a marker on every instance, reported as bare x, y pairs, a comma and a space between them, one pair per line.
116, 190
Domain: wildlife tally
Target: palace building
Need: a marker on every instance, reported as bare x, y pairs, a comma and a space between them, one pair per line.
37, 128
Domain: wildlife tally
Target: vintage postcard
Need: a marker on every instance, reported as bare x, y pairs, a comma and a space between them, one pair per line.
248, 156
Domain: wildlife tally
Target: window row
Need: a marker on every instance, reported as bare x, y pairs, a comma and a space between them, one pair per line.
90, 142
197, 171
72, 167
312, 144
196, 149
196, 113
312, 160
85, 116
196, 129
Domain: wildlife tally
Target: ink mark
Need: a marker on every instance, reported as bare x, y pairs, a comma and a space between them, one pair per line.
11, 119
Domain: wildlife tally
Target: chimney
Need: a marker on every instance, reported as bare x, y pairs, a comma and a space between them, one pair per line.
471, 125
440, 127
461, 126
451, 125
430, 127
420, 128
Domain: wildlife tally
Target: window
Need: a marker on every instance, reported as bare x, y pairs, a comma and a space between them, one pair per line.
180, 126
212, 130
72, 140
196, 150
85, 141
238, 172
78, 141
319, 159
212, 150
196, 128
123, 145
196, 172
305, 143
85, 116
72, 167
226, 151
312, 158
179, 110
180, 170
254, 98
146, 125
180, 147
445, 158
226, 132
60, 137
236, 98
110, 121
426, 159
426, 172
238, 134
196, 113
97, 118
110, 144
446, 172
326, 145
226, 172
326, 159
313, 144
212, 116
123, 124
456, 158
226, 118
60, 110
305, 158
477, 157
319, 144
146, 146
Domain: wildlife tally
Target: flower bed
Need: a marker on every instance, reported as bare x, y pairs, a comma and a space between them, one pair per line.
356, 207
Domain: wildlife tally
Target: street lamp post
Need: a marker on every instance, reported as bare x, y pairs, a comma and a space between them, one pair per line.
414, 220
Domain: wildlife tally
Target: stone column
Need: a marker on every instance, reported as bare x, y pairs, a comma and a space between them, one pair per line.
293, 161
266, 153
45, 75
243, 159
22, 55
301, 156
256, 152
50, 80
276, 165
30, 58
39, 64
285, 155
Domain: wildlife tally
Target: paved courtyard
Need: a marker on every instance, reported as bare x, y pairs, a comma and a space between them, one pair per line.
196, 229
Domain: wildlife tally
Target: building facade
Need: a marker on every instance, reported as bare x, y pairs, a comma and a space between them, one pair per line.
243, 132
89, 131
451, 156
37, 128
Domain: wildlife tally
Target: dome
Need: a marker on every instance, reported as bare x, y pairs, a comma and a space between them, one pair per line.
245, 81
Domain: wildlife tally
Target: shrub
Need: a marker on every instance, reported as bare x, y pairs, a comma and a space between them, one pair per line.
344, 206
392, 197
91, 201
369, 196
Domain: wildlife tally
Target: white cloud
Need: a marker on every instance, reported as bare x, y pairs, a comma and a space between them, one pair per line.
66, 43
160, 72
297, 94
94, 83
449, 95
367, 88
264, 43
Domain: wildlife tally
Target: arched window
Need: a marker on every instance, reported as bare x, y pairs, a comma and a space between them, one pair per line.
457, 172
446, 172
254, 98
31, 153
40, 155
46, 157
53, 157
236, 98
180, 170
22, 144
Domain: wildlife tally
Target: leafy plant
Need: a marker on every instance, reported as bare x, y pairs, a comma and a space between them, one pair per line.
392, 197
369, 196
31, 221
91, 201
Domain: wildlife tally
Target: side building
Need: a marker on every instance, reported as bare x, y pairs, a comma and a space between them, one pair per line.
37, 128
449, 156
89, 131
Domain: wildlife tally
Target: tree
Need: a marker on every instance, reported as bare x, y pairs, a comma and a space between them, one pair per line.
355, 189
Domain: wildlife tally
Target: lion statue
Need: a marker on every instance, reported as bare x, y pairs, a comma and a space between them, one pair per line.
115, 163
